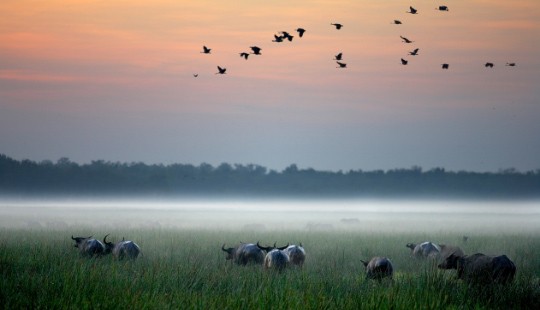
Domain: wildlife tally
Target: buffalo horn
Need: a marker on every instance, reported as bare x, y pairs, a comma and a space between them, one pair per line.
265, 248
105, 240
283, 247
229, 250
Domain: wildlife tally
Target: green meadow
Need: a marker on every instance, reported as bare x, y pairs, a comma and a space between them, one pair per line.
186, 269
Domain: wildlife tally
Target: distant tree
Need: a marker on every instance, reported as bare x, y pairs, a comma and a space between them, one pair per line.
291, 169
103, 177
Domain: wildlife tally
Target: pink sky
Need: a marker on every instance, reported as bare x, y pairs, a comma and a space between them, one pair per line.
113, 80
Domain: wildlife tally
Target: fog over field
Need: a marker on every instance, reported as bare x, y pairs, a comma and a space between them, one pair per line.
84, 216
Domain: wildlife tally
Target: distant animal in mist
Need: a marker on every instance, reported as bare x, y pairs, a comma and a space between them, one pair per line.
481, 269
297, 254
123, 249
89, 246
378, 268
244, 253
447, 250
424, 250
276, 258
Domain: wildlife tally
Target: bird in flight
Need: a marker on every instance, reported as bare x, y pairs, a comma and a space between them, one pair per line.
206, 50
245, 55
489, 65
412, 10
406, 40
221, 70
404, 62
287, 36
510, 64
415, 52
397, 22
338, 56
195, 75
341, 65
256, 50
300, 31
277, 38
442, 8
338, 26
445, 66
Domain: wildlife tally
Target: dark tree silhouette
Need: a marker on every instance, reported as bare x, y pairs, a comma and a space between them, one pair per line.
112, 178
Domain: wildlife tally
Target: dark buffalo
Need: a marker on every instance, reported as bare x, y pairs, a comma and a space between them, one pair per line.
378, 268
447, 250
481, 269
88, 246
297, 254
123, 249
244, 253
276, 258
425, 249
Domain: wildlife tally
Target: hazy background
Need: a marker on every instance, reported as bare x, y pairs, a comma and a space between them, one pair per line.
113, 80
388, 216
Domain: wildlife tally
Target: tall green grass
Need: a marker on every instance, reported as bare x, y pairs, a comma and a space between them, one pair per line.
186, 269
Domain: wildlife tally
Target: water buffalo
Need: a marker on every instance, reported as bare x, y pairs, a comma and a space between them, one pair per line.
481, 269
447, 250
425, 249
276, 258
88, 246
123, 249
297, 254
378, 268
244, 253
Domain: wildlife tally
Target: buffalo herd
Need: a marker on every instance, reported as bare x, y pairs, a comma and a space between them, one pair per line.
271, 257
474, 269
90, 247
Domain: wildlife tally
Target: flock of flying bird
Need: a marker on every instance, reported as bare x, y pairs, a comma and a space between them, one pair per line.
445, 66
255, 50
286, 36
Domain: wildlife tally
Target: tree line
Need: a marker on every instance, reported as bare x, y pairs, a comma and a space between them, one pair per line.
26, 177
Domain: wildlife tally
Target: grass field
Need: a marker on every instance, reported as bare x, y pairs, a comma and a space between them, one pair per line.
183, 269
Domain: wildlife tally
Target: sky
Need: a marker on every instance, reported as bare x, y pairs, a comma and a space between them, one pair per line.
113, 80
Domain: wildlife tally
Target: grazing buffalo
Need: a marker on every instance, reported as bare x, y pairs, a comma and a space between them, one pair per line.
244, 253
276, 258
425, 249
123, 249
481, 269
378, 268
88, 246
297, 254
447, 250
